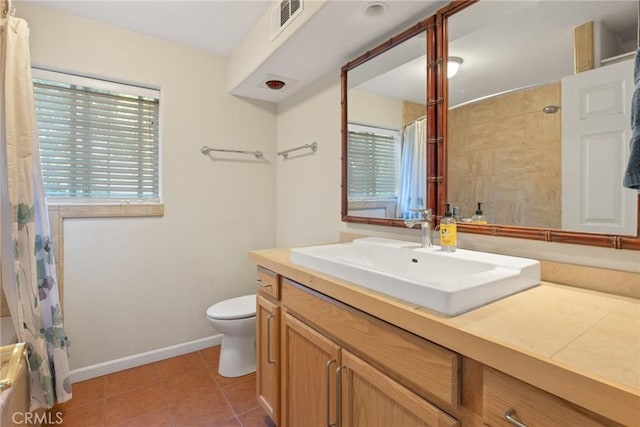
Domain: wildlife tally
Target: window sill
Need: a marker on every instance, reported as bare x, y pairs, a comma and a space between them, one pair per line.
107, 211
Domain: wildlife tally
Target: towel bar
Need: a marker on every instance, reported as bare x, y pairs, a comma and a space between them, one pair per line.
313, 147
206, 150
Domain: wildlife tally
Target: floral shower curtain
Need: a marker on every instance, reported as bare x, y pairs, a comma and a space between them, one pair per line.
413, 170
27, 263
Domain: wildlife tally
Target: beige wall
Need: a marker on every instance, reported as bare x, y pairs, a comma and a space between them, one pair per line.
308, 186
138, 284
372, 109
504, 151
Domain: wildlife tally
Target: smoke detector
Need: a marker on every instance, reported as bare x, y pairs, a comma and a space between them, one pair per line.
374, 9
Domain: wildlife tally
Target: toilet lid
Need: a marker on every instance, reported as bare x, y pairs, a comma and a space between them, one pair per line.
234, 308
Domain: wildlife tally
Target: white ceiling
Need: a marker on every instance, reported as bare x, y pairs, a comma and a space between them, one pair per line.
539, 51
337, 33
215, 26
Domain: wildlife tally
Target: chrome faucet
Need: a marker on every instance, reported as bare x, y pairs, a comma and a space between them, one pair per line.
425, 226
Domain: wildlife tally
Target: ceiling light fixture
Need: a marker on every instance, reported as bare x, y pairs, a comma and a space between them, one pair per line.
453, 65
374, 9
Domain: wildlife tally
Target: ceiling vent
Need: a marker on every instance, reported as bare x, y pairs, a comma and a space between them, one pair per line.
283, 14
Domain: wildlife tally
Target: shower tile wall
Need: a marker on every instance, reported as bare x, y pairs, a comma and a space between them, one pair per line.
505, 152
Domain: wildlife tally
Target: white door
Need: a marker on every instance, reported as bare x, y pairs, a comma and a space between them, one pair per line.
596, 130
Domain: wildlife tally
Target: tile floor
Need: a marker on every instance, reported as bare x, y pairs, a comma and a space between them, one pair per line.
181, 391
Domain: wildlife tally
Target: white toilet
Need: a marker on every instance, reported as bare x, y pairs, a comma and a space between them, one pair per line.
235, 318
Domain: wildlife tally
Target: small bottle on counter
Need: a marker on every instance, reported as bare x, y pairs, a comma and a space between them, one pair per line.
448, 232
479, 217
456, 213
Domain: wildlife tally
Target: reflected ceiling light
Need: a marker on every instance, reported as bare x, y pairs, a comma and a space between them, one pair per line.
453, 65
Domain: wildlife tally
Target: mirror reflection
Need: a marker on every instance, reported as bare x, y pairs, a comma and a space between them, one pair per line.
536, 142
386, 144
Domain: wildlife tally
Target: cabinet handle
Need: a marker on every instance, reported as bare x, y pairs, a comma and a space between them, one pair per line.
262, 284
339, 395
511, 417
328, 372
269, 317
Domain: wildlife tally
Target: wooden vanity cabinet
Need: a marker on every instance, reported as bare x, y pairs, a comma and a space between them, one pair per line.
324, 363
268, 342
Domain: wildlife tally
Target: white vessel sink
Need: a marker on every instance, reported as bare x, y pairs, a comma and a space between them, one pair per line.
448, 282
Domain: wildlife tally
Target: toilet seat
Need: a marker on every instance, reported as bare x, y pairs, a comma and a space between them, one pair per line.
234, 308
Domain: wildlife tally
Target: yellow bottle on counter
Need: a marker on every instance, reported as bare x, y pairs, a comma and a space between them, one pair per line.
448, 232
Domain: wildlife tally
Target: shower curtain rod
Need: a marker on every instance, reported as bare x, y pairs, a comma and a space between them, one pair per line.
414, 120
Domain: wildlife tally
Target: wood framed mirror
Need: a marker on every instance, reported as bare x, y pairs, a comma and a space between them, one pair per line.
445, 103
389, 129
504, 148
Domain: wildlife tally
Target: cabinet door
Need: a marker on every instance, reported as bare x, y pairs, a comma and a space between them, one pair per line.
372, 399
309, 363
267, 325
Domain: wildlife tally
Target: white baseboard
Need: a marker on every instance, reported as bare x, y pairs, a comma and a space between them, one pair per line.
104, 368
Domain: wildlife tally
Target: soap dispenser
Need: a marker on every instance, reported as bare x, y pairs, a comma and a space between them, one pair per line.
448, 231
479, 218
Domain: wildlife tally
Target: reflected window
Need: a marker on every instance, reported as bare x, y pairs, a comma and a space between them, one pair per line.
373, 163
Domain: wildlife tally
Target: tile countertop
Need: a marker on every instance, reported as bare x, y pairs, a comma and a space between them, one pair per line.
561, 339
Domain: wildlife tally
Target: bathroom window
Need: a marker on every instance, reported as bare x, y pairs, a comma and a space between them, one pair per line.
99, 140
373, 163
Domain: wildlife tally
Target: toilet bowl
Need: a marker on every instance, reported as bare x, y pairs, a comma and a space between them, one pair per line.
235, 318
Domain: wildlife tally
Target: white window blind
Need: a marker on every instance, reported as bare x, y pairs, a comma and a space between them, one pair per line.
98, 140
373, 163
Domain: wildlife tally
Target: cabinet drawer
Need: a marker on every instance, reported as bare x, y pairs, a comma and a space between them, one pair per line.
529, 405
425, 368
268, 283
